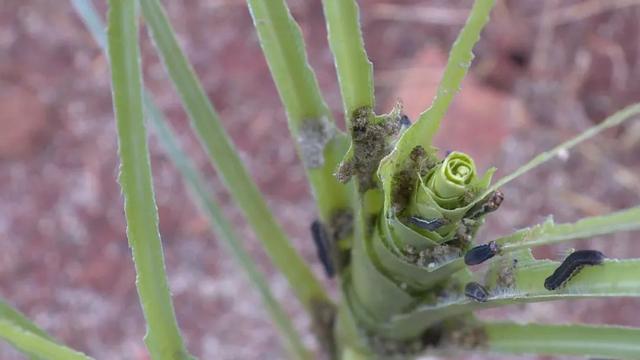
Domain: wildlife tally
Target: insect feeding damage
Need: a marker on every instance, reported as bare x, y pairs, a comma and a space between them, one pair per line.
371, 141
571, 266
313, 136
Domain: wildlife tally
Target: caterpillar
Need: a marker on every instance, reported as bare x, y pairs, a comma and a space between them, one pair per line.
571, 266
476, 292
481, 253
323, 247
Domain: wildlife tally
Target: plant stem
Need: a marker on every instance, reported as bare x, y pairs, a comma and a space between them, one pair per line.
579, 340
614, 278
163, 336
611, 121
226, 160
458, 63
36, 345
355, 71
320, 144
550, 233
8, 313
201, 195
223, 228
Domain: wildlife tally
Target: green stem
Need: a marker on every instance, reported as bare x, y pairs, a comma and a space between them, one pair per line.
320, 144
578, 340
163, 336
615, 278
613, 120
225, 158
550, 233
35, 345
8, 313
201, 195
460, 58
223, 228
355, 71
422, 132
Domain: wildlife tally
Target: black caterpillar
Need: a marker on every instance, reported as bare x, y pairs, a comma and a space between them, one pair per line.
571, 266
323, 247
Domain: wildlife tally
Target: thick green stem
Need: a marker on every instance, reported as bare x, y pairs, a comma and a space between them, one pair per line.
578, 340
163, 336
320, 144
615, 278
550, 233
355, 71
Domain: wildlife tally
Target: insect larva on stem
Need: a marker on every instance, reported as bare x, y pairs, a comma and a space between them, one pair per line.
323, 246
571, 266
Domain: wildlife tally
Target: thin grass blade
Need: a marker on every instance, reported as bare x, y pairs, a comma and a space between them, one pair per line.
614, 120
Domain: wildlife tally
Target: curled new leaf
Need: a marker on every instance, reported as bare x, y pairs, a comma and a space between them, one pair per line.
444, 194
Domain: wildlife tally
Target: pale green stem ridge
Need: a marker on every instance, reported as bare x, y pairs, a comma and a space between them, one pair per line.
613, 120
320, 144
163, 336
355, 71
35, 345
550, 233
226, 160
579, 340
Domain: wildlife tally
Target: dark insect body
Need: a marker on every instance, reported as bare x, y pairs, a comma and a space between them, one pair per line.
428, 224
571, 266
405, 122
481, 253
490, 204
323, 247
476, 292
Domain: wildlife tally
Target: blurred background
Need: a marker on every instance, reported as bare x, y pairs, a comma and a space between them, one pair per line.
545, 70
